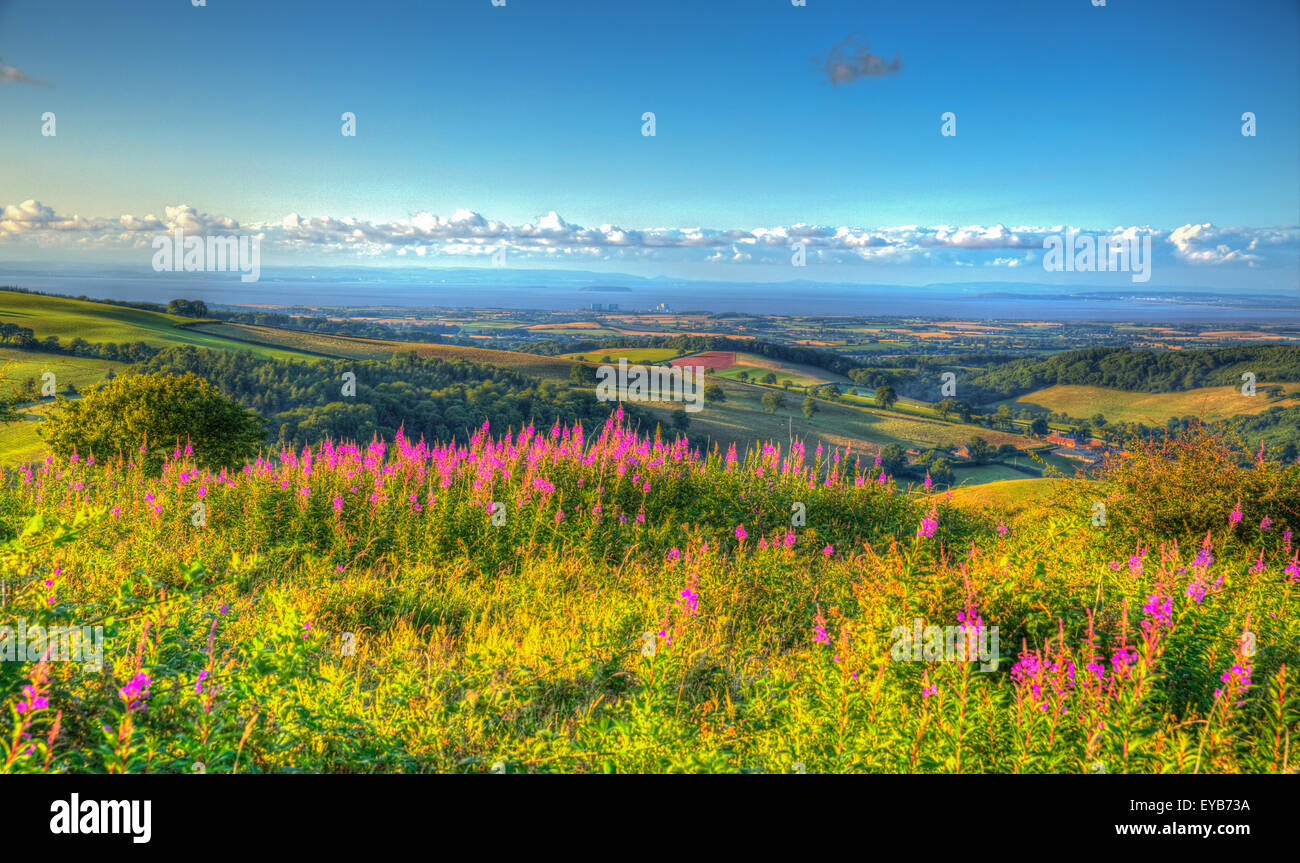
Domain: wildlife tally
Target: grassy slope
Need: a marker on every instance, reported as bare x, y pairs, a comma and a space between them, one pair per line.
1209, 403
1008, 497
18, 440
797, 373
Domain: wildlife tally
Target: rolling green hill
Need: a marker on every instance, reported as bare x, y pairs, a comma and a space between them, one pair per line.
101, 322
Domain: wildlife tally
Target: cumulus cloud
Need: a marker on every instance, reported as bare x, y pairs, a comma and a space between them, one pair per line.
851, 59
466, 233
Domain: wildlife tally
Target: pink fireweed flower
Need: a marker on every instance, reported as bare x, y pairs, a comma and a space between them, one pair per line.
1161, 609
1265, 523
1234, 517
306, 630
819, 623
1002, 529
1236, 681
338, 504
741, 534
929, 524
828, 550
674, 554
34, 699
136, 691
1259, 565
929, 483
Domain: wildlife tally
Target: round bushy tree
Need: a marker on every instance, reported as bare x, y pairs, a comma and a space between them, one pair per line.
158, 412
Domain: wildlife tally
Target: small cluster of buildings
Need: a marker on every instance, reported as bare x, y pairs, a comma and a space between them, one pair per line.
1089, 448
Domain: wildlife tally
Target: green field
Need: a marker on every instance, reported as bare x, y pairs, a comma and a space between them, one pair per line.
632, 355
17, 366
1208, 403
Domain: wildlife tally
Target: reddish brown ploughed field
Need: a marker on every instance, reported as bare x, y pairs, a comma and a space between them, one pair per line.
709, 360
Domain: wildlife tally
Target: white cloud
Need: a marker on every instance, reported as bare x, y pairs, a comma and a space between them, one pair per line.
467, 233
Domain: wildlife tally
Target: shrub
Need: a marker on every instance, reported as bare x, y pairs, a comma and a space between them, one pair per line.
150, 415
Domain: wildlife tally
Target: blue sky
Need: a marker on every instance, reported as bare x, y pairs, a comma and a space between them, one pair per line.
1067, 114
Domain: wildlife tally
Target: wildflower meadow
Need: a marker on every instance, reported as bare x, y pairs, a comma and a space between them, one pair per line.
554, 600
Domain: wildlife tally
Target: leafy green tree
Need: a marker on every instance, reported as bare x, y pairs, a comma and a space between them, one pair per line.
1039, 426
940, 471
713, 393
893, 458
979, 450
945, 407
809, 406
885, 396
773, 401
769, 378
681, 420
159, 412
582, 374
9, 411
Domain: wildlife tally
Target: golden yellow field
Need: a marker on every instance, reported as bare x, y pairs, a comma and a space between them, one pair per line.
1208, 403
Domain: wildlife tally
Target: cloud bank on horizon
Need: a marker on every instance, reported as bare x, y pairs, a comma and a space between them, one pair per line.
32, 225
